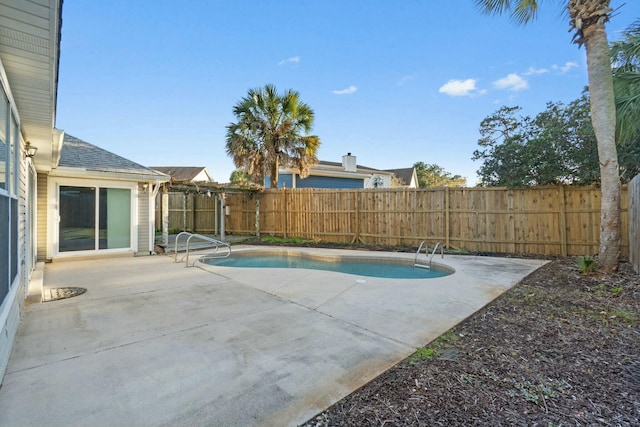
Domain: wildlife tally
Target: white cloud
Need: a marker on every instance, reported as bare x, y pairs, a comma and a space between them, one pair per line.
292, 60
348, 91
404, 80
512, 82
565, 68
533, 71
460, 88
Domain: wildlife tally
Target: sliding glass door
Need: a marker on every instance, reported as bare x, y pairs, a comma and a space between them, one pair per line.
94, 218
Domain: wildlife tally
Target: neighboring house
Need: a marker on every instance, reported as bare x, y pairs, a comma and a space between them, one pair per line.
59, 196
407, 176
185, 174
347, 174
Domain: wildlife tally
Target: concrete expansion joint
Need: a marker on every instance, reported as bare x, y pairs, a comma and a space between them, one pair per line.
337, 295
377, 334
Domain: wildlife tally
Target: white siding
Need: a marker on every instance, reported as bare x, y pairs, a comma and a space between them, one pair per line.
41, 218
143, 219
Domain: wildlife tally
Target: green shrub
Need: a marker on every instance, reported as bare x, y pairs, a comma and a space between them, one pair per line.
586, 264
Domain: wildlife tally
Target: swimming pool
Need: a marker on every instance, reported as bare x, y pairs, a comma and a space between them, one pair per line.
360, 266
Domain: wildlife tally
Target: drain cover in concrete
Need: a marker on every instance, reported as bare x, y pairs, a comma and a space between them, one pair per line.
55, 294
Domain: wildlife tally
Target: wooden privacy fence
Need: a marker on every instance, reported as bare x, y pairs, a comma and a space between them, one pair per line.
554, 220
188, 211
634, 223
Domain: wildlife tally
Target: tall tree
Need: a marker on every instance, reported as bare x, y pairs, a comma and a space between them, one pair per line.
432, 175
271, 132
558, 146
625, 55
587, 19
240, 177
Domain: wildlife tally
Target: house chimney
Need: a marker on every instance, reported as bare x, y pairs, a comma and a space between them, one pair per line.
349, 163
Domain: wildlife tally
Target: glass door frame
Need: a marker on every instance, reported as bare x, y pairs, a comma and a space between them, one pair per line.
55, 183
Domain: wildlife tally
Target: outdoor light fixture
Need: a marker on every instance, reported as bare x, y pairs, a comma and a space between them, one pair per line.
30, 150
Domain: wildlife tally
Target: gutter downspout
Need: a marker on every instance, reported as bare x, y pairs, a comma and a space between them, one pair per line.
152, 216
57, 137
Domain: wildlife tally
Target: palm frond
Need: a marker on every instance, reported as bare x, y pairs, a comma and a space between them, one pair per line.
521, 11
270, 131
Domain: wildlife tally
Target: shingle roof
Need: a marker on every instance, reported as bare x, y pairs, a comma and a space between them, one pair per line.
338, 164
77, 153
405, 174
180, 173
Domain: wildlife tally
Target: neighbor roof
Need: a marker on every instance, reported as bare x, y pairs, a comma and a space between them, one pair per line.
360, 168
80, 154
181, 173
404, 174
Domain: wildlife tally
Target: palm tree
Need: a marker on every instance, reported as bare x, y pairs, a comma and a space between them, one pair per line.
625, 55
587, 19
271, 132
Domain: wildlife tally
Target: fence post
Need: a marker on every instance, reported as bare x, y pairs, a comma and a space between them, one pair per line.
184, 211
215, 215
447, 212
284, 213
633, 193
222, 218
563, 222
258, 216
356, 237
194, 197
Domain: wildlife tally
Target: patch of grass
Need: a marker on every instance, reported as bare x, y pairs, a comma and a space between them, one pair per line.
435, 348
622, 315
603, 290
537, 393
288, 240
456, 251
616, 291
171, 231
424, 354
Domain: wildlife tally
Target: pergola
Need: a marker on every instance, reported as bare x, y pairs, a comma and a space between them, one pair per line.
211, 189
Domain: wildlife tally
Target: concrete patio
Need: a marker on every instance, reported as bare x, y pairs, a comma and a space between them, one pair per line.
154, 343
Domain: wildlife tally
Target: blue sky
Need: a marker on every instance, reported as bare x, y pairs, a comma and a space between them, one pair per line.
391, 82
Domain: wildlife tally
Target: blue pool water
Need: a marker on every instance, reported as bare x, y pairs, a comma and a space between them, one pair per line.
372, 268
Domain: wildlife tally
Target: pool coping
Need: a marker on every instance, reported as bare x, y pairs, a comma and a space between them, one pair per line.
310, 253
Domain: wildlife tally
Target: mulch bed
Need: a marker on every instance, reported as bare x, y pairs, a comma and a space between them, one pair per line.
560, 348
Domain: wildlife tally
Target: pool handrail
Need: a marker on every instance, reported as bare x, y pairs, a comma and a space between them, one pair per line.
426, 250
217, 243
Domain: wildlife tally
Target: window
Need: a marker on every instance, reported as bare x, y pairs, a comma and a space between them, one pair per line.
9, 168
4, 155
94, 218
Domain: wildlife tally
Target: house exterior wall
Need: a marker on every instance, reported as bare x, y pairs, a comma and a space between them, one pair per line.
328, 182
287, 180
13, 194
41, 216
144, 225
202, 177
29, 61
378, 181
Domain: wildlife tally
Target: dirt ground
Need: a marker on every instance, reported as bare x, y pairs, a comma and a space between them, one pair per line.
559, 349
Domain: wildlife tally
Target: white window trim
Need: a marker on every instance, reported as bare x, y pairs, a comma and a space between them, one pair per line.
53, 216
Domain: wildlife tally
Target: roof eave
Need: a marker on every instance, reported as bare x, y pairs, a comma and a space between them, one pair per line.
70, 172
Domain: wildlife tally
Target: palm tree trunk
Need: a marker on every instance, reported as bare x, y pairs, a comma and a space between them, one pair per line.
275, 166
604, 124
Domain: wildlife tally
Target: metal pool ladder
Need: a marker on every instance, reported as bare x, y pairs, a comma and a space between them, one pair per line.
217, 244
426, 254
